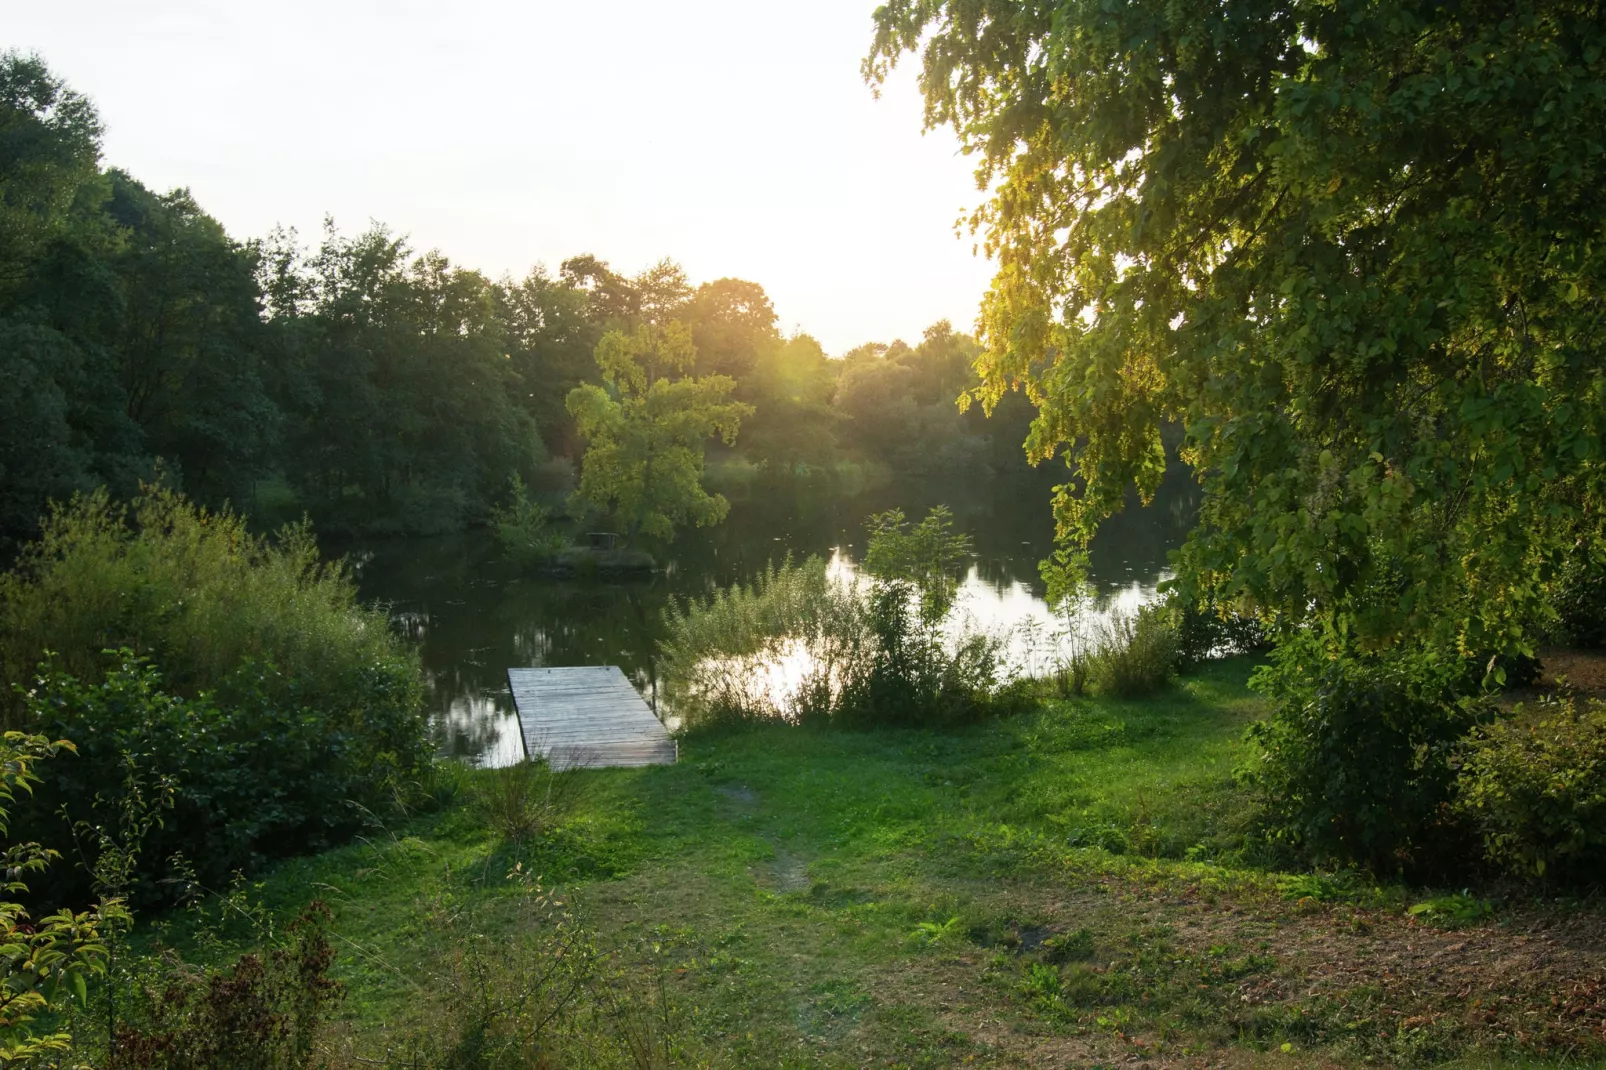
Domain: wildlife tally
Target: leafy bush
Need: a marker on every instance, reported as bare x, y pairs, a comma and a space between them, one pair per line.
1210, 631
718, 653
1535, 786
1355, 764
1124, 655
1451, 911
1579, 599
280, 701
44, 961
266, 775
914, 673
911, 675
524, 527
871, 653
203, 597
927, 557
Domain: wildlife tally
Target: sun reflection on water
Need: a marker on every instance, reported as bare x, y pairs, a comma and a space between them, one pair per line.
1032, 638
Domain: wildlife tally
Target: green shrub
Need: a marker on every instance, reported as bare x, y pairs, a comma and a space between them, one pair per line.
927, 557
717, 653
263, 776
1210, 631
912, 675
1355, 764
873, 653
1072, 674
266, 1011
1132, 655
1579, 599
524, 527
47, 958
203, 597
1534, 785
281, 702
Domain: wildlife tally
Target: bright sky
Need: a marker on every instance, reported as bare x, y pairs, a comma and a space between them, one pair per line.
734, 136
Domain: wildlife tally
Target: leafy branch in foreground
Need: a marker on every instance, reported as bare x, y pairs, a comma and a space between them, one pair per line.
42, 960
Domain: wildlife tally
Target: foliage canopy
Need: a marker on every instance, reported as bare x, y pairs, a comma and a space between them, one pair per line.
1355, 250
377, 388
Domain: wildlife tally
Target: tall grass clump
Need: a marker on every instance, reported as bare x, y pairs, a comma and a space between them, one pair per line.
521, 801
1121, 655
722, 656
799, 646
1134, 654
236, 675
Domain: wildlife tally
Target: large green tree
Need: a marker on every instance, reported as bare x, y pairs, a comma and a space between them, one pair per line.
188, 341
1356, 249
129, 321
552, 329
897, 403
732, 325
401, 400
793, 430
646, 429
49, 153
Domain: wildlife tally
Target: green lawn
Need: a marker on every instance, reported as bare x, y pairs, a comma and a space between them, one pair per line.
1063, 888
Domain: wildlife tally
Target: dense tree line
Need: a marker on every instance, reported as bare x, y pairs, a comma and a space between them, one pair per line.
373, 387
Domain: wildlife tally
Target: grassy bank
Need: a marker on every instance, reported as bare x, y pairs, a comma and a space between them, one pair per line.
1068, 887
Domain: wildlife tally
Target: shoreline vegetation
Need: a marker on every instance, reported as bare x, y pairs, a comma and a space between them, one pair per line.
1336, 798
1072, 883
921, 861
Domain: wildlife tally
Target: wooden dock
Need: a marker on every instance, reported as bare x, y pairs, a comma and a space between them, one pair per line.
587, 716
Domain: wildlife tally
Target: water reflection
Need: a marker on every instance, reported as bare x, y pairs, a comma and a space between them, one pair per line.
1032, 640
474, 616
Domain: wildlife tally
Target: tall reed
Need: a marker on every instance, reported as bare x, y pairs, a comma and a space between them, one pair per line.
719, 654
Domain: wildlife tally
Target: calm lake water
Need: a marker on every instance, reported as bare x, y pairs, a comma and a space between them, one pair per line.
474, 615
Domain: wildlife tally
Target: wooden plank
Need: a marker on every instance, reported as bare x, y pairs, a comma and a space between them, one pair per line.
587, 715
